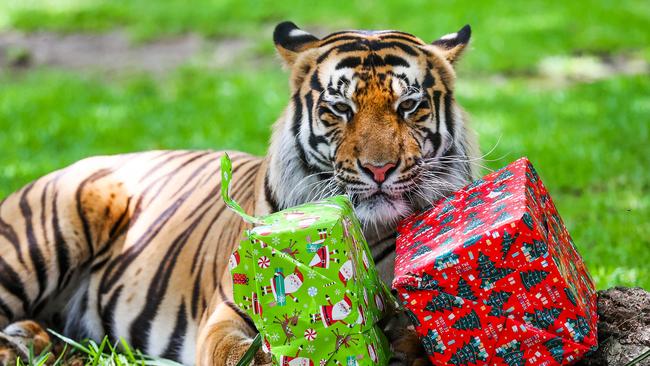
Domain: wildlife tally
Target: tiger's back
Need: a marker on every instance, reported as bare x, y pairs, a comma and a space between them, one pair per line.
111, 238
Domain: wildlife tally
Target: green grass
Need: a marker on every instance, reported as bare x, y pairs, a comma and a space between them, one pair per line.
91, 353
510, 35
50, 119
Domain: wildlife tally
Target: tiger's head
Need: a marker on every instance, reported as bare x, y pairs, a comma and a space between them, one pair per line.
372, 115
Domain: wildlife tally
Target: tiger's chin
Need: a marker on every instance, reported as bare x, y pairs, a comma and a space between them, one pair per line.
381, 211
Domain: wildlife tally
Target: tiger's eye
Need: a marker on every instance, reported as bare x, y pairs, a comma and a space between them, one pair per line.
407, 105
342, 107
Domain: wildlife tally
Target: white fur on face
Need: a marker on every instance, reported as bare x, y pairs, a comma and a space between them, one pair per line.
382, 211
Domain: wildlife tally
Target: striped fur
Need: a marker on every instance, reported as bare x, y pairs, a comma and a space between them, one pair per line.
137, 245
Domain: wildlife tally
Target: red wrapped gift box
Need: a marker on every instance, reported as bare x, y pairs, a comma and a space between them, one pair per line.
491, 276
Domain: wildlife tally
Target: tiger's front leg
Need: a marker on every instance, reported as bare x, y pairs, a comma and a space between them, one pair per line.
225, 337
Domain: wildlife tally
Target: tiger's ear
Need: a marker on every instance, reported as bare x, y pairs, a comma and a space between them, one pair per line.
291, 40
452, 45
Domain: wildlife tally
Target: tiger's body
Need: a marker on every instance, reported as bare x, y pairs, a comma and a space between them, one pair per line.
137, 245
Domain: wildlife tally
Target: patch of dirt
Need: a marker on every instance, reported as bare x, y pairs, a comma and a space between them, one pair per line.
623, 327
115, 52
585, 67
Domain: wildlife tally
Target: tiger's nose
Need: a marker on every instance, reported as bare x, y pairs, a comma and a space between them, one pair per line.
379, 173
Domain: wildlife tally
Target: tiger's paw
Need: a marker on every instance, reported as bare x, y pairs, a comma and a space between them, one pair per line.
238, 351
16, 339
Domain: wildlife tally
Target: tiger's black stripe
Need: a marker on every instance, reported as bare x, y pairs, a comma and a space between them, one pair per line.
35, 254
140, 327
7, 232
297, 122
269, 195
11, 281
178, 335
449, 119
107, 312
244, 316
84, 220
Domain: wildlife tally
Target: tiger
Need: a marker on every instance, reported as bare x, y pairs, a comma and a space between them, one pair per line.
137, 245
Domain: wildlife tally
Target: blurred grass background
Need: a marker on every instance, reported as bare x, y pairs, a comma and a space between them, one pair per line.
523, 82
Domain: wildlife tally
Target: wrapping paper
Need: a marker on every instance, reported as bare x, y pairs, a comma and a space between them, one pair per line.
491, 276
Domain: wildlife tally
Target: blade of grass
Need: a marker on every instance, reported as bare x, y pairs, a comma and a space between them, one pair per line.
247, 358
127, 350
155, 361
100, 351
639, 358
71, 342
59, 359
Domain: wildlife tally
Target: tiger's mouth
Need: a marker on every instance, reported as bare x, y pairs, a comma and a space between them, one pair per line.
381, 208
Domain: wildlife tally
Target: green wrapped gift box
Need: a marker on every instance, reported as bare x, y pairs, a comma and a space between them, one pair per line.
306, 277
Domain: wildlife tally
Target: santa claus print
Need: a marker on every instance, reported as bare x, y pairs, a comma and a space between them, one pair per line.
379, 301
234, 260
307, 222
293, 215
252, 303
334, 313
347, 272
314, 245
323, 257
347, 224
283, 286
361, 320
259, 242
372, 352
296, 361
364, 259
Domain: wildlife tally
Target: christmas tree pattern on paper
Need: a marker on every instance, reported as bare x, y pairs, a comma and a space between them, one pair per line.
433, 343
465, 291
422, 250
427, 282
470, 353
570, 296
532, 278
470, 321
507, 242
511, 353
489, 273
554, 346
497, 301
443, 301
535, 250
446, 260
543, 318
578, 328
